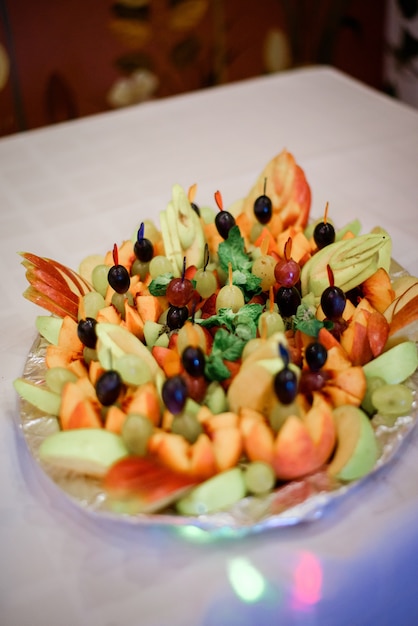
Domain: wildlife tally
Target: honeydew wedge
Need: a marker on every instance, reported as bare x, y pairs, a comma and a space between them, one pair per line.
357, 450
116, 341
182, 232
40, 397
89, 451
395, 365
216, 493
49, 327
351, 260
152, 332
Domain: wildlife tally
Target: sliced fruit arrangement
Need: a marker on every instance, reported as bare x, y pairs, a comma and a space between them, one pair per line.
225, 354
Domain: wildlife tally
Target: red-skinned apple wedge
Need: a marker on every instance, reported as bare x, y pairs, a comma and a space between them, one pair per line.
144, 485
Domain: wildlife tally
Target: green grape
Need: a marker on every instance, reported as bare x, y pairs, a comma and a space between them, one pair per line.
93, 302
259, 477
373, 383
57, 377
280, 413
263, 268
140, 268
230, 297
393, 400
222, 276
136, 432
89, 355
270, 322
206, 283
187, 425
215, 398
99, 278
160, 265
132, 369
256, 231
118, 301
251, 347
207, 214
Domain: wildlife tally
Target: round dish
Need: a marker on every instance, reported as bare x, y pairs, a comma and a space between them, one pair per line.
295, 503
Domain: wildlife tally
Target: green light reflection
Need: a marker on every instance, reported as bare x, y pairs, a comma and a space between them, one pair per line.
246, 580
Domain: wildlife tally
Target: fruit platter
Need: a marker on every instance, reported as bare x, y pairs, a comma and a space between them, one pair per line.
232, 369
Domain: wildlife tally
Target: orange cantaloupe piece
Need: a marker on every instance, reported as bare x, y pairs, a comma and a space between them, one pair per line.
108, 315
115, 418
169, 360
84, 415
149, 308
133, 321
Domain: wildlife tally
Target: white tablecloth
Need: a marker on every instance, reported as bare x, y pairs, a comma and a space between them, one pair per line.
77, 188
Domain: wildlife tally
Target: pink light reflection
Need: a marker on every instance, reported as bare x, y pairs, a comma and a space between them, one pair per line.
307, 579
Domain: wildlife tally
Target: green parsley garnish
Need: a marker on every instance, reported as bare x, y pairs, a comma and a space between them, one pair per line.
232, 251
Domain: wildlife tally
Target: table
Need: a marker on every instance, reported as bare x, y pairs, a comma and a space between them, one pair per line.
75, 189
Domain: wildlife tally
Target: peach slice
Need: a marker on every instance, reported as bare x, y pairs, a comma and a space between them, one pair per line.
301, 446
258, 438
133, 321
378, 290
304, 444
294, 453
378, 331
149, 308
74, 399
144, 400
253, 388
218, 448
115, 419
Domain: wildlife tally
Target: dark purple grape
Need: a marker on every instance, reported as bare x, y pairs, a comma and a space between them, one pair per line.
86, 331
143, 248
263, 209
324, 234
286, 385
174, 394
119, 279
108, 387
224, 221
288, 299
177, 316
316, 355
193, 359
333, 302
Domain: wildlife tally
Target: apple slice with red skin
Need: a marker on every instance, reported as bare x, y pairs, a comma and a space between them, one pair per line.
75, 282
53, 286
149, 484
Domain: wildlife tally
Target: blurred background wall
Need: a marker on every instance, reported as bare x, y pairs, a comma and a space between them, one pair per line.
63, 59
